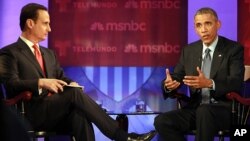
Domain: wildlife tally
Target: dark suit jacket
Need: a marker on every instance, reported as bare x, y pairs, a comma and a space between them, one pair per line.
24, 73
25, 70
227, 69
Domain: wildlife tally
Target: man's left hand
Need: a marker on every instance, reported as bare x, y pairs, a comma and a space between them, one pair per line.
199, 81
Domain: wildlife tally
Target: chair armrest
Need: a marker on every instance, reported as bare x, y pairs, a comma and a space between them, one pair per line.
238, 98
25, 96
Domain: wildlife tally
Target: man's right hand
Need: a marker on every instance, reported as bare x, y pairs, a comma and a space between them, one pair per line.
169, 83
53, 85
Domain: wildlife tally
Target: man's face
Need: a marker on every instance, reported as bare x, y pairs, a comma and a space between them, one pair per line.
41, 27
206, 26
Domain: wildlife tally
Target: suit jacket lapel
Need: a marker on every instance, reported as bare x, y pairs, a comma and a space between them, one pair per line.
197, 57
217, 58
25, 50
45, 61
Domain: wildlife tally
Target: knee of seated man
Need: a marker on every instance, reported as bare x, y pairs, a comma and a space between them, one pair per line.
74, 90
163, 121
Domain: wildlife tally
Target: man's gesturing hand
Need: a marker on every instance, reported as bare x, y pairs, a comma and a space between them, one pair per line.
169, 83
199, 81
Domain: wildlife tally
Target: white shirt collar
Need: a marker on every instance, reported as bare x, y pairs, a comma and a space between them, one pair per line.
211, 47
29, 43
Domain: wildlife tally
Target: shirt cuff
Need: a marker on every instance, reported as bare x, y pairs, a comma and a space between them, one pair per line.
213, 86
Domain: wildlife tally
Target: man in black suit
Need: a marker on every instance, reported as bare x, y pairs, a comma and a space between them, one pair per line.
53, 105
205, 113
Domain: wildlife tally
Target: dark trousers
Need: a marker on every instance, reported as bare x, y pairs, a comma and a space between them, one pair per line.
207, 119
74, 111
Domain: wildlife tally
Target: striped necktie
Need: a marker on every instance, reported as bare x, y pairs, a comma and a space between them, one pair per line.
39, 57
206, 67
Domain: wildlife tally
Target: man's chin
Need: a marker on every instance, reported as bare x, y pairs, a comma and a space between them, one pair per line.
44, 38
206, 41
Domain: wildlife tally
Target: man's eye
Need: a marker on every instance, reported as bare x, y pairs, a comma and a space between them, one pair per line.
208, 24
198, 25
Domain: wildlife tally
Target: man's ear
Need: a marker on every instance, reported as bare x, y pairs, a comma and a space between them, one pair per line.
218, 24
30, 23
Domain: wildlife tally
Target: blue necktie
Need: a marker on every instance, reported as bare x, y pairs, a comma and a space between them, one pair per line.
206, 67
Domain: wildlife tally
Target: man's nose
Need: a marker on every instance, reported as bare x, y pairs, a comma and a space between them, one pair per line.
203, 28
49, 29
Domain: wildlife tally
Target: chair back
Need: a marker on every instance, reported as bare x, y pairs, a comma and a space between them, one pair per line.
240, 108
247, 73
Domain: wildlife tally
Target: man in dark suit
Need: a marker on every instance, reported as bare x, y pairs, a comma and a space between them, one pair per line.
53, 105
206, 112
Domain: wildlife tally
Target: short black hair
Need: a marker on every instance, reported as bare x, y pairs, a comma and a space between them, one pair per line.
29, 11
206, 10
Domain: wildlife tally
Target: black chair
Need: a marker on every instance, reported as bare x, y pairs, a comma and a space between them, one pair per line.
239, 116
18, 104
240, 107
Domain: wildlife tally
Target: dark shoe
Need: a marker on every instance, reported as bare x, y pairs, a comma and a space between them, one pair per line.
141, 137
